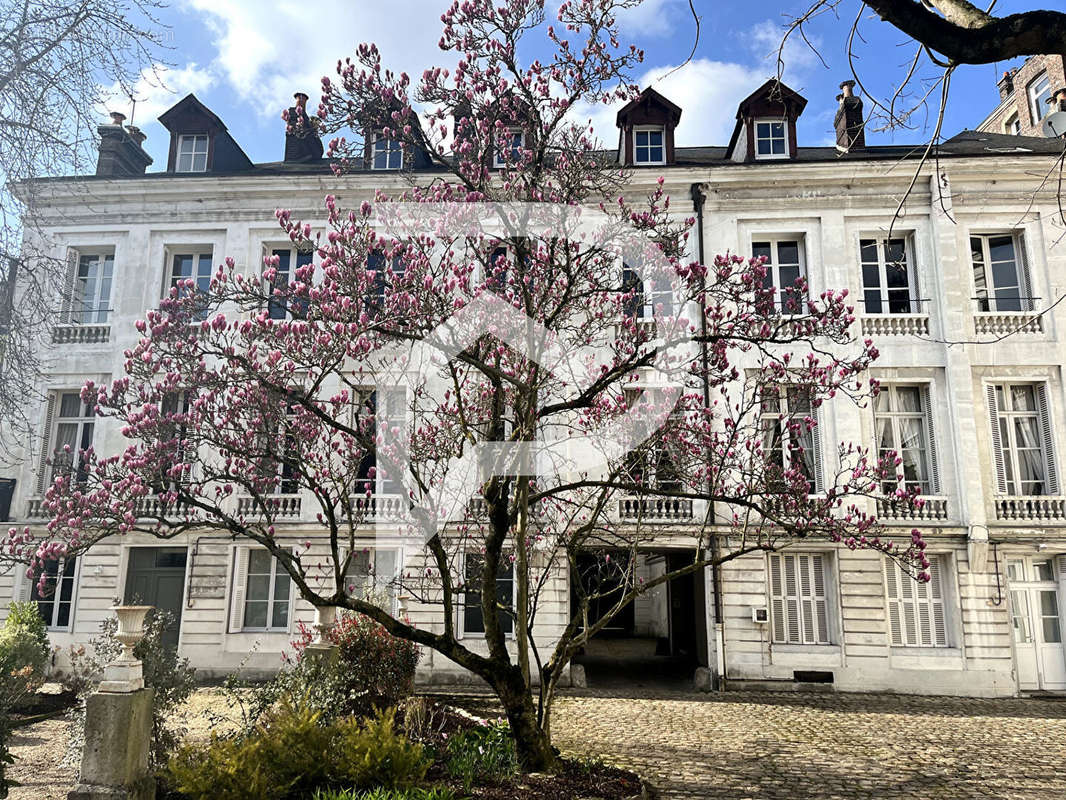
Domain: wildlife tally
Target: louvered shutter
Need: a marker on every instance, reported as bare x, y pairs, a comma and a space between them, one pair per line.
1025, 281
777, 598
930, 443
791, 599
816, 445
997, 443
46, 444
895, 623
936, 603
1048, 434
821, 615
238, 589
76, 579
806, 599
23, 585
67, 307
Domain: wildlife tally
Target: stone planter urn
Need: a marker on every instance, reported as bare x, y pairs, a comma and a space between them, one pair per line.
124, 674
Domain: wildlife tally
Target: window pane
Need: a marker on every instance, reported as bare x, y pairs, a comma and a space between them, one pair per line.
871, 275
764, 147
761, 250
778, 146
872, 301
896, 276
255, 614
1043, 571
1023, 398
258, 587
788, 252
868, 251
280, 616
70, 404
908, 398
259, 562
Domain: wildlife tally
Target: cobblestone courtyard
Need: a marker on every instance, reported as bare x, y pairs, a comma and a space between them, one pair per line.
744, 745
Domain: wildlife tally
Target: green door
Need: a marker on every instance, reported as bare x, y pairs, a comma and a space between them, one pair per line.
156, 577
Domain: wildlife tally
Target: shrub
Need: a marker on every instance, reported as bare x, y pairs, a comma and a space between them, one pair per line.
433, 793
291, 753
24, 651
170, 676
479, 753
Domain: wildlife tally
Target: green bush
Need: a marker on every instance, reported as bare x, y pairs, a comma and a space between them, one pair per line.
434, 793
291, 753
24, 651
476, 754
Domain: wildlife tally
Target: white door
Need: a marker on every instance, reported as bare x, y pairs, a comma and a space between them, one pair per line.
1036, 622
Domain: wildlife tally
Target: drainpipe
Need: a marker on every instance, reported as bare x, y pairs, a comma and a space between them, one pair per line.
698, 199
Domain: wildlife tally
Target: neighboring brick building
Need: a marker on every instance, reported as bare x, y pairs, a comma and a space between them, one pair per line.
1023, 96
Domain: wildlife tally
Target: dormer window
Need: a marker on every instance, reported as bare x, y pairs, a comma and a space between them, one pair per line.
388, 153
649, 145
192, 153
509, 147
770, 141
1039, 95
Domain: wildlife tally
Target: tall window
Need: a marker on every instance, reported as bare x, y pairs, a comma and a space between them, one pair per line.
266, 601
473, 614
174, 408
1039, 94
789, 443
916, 613
509, 146
1022, 439
649, 146
73, 436
192, 153
377, 263
290, 259
198, 267
56, 602
999, 273
798, 598
371, 575
770, 141
642, 297
388, 153
382, 415
888, 282
903, 423
91, 290
785, 265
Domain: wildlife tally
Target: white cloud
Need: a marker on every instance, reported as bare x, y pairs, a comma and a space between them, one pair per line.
798, 56
708, 93
655, 18
267, 51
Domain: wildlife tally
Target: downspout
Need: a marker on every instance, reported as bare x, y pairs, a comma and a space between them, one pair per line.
698, 199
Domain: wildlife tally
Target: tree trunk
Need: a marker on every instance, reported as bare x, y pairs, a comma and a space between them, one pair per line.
532, 744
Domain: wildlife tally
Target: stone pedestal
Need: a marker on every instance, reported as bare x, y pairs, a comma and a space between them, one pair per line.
114, 763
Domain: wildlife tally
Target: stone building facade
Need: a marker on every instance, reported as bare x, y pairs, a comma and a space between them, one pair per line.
962, 300
1024, 96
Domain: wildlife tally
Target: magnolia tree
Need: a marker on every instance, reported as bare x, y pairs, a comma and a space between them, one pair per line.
516, 347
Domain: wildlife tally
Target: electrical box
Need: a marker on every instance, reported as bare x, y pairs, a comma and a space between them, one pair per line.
760, 616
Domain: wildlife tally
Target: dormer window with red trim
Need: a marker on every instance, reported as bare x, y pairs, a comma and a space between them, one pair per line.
646, 130
766, 124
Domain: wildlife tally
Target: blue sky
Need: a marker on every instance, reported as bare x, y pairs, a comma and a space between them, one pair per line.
245, 58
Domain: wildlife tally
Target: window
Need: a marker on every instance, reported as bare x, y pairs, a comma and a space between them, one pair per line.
789, 441
999, 273
798, 598
770, 139
371, 575
903, 422
56, 603
785, 265
1039, 94
1012, 125
377, 263
73, 436
90, 288
644, 296
509, 146
1022, 439
653, 464
473, 615
916, 615
388, 153
290, 259
174, 408
649, 146
262, 591
196, 266
388, 406
192, 153
888, 281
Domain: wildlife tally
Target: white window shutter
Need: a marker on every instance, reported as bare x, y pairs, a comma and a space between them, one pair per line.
895, 624
997, 444
816, 445
819, 600
239, 587
23, 585
803, 564
792, 611
1025, 279
936, 602
1048, 434
930, 434
73, 257
777, 598
46, 444
73, 593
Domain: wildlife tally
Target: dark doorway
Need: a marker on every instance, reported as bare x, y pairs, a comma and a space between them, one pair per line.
155, 576
682, 609
602, 578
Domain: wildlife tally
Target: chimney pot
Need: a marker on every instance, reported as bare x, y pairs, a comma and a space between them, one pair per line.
848, 122
136, 134
848, 88
117, 118
302, 142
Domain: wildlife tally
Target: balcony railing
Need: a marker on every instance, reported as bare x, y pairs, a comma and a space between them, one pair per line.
378, 506
934, 509
654, 509
280, 505
35, 509
1004, 323
80, 334
1031, 509
896, 325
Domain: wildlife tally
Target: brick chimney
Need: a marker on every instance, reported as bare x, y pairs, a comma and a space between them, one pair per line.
121, 153
302, 142
1006, 85
848, 122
